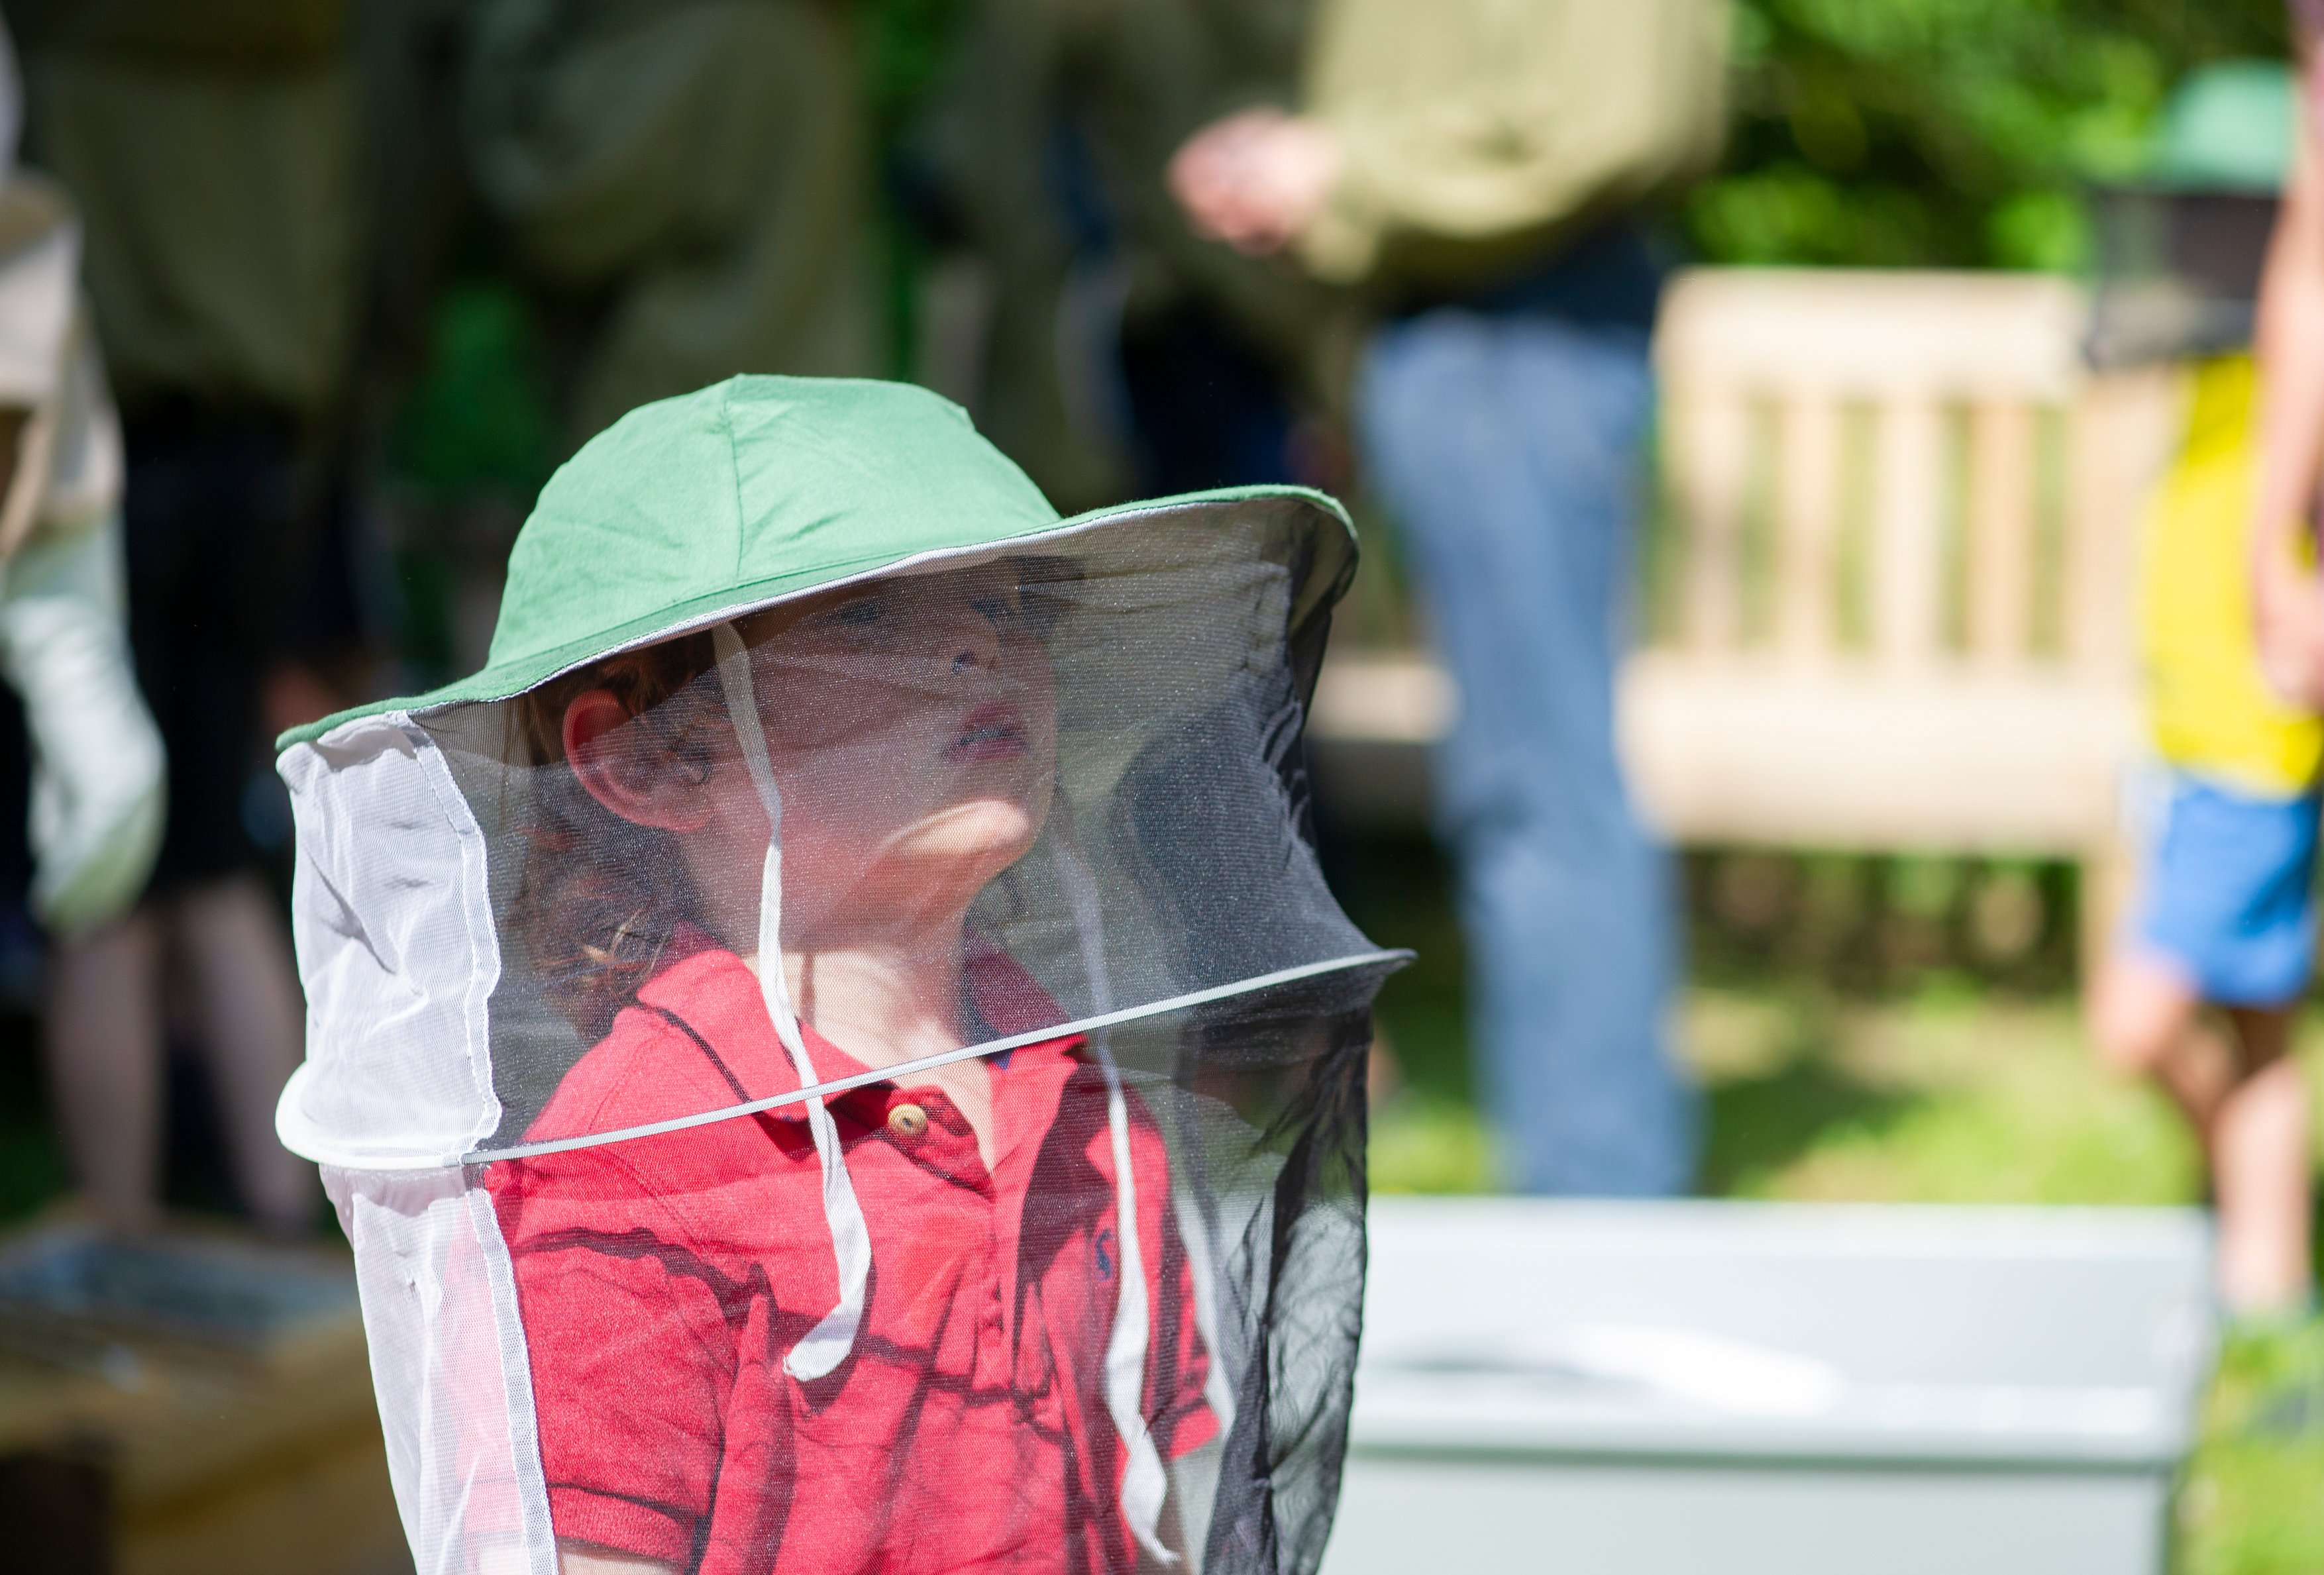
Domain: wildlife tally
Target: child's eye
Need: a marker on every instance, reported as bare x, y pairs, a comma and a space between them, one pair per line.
995, 609
863, 613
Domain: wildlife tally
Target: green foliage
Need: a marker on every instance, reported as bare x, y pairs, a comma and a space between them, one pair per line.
477, 419
906, 44
1946, 133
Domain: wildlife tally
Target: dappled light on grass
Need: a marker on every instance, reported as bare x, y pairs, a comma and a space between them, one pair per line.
1942, 1097
1425, 1145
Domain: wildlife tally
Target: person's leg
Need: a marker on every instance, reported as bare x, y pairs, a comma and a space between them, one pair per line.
2247, 1103
252, 1028
211, 537
2261, 1170
1508, 449
2225, 912
2145, 1021
104, 1048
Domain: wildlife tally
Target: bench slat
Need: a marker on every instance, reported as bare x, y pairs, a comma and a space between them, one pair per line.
1710, 432
1808, 464
2002, 487
1907, 529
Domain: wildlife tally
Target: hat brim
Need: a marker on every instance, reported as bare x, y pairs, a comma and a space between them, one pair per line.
1324, 574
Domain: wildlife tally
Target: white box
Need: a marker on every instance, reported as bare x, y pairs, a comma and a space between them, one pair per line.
1644, 1387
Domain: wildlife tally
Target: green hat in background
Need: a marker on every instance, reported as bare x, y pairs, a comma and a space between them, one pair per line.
2227, 127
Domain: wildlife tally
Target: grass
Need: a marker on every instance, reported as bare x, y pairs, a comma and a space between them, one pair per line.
1941, 1098
2254, 1499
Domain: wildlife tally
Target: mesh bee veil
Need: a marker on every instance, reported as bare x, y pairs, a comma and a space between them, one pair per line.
833, 1050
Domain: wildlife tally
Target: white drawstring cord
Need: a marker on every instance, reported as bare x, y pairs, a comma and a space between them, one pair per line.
1144, 1483
827, 1345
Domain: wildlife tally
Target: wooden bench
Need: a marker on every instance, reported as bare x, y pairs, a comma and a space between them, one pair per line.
1886, 602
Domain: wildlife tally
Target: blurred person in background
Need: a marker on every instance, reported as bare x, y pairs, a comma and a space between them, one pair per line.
686, 187
210, 145
1122, 353
1478, 171
2232, 629
96, 796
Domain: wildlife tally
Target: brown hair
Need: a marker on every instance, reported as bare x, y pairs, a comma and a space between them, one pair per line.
600, 896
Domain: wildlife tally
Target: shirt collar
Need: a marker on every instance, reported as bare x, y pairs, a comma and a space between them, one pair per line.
715, 993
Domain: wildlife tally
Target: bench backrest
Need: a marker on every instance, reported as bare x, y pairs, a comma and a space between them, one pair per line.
1899, 470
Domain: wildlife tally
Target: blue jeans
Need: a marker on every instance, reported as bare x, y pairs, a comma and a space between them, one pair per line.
1508, 445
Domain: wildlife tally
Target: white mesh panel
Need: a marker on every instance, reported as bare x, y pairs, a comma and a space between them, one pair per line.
448, 1360
393, 924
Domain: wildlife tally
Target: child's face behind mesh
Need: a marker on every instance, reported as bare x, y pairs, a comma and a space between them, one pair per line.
911, 725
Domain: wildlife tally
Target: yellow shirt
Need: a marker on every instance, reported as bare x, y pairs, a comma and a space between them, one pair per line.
2209, 710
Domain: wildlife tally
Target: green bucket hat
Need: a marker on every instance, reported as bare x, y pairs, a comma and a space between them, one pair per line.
2228, 127
693, 510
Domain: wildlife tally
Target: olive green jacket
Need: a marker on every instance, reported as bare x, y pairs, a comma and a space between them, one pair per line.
1474, 133
695, 175
210, 146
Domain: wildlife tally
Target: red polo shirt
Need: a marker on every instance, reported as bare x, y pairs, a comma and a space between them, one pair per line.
661, 1281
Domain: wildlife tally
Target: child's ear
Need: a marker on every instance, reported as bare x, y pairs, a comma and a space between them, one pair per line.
628, 769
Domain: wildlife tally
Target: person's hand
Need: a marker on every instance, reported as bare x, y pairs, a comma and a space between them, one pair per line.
1257, 180
2288, 620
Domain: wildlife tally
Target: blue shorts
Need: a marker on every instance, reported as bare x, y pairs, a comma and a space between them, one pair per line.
2228, 892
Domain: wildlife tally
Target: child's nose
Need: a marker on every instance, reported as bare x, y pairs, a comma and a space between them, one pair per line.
979, 646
